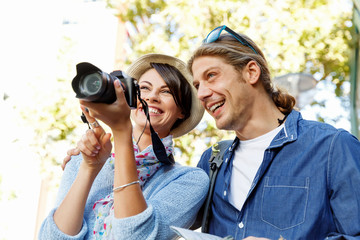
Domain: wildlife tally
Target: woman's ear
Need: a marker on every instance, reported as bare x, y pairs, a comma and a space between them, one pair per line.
253, 71
181, 115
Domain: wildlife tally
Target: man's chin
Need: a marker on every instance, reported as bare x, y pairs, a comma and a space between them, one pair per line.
221, 125
224, 123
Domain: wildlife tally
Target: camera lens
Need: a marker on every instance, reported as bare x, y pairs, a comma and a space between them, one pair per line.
91, 84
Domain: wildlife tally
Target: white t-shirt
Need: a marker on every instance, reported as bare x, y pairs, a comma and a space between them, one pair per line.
247, 159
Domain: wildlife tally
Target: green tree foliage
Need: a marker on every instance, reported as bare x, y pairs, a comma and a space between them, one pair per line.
312, 36
54, 115
55, 123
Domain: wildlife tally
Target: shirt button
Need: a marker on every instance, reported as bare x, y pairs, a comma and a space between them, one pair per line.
224, 193
241, 225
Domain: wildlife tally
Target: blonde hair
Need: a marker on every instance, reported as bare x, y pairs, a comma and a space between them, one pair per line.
238, 55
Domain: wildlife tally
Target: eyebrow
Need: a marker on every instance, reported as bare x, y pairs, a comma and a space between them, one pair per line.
163, 86
209, 69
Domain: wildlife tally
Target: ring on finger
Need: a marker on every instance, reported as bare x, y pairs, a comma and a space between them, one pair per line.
94, 124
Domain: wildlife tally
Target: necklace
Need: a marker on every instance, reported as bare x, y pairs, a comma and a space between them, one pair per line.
280, 121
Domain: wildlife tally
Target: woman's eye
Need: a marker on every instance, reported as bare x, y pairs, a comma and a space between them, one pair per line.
167, 91
142, 88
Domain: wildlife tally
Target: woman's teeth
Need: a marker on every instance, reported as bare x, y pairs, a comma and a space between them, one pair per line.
154, 110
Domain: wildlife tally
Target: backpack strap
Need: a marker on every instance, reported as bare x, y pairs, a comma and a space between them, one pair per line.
215, 162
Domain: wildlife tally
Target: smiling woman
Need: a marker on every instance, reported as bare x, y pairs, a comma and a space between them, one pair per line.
133, 193
163, 110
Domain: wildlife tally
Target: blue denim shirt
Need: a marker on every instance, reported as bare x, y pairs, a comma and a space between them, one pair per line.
307, 187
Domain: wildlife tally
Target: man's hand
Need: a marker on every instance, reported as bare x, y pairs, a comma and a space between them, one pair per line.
71, 152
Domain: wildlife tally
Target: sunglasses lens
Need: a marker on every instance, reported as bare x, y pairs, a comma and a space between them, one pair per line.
213, 35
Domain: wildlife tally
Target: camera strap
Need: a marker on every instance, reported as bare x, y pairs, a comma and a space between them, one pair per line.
158, 146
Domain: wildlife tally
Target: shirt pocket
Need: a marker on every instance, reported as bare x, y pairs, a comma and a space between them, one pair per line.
284, 201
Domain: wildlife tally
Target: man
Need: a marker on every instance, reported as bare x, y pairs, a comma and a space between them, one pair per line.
283, 177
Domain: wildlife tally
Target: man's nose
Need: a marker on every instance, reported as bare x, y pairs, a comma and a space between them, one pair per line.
203, 92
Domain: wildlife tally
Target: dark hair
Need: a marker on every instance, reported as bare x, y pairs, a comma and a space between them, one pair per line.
179, 87
238, 55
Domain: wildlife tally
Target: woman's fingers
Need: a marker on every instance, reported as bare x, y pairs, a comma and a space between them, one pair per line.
94, 124
119, 89
83, 149
85, 110
114, 115
106, 142
89, 144
91, 141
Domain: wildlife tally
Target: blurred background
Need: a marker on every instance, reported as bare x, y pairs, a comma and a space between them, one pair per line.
312, 47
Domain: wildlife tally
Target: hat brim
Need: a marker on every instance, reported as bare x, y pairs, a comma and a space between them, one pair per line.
142, 64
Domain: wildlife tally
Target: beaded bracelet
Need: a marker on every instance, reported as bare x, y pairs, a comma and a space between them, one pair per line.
126, 185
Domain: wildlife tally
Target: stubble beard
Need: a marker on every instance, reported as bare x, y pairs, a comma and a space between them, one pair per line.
226, 123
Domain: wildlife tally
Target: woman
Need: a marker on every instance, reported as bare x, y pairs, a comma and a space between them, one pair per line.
132, 195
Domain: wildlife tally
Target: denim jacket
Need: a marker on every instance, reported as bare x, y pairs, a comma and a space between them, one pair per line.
307, 187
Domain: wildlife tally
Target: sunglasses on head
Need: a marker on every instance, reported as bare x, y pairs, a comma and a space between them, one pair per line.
215, 34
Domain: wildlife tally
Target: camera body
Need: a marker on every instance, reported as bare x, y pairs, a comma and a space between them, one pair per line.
92, 84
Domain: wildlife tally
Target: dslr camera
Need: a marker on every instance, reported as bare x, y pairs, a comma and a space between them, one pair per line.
92, 84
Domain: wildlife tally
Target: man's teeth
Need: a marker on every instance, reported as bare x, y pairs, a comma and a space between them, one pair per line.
154, 110
215, 106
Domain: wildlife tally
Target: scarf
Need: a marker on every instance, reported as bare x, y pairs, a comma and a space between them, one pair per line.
147, 164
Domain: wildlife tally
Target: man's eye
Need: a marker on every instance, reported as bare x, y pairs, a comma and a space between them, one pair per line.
210, 75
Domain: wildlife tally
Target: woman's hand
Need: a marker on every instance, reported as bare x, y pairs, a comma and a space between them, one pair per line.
115, 115
95, 145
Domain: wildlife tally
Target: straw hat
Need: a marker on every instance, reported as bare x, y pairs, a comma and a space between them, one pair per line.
142, 64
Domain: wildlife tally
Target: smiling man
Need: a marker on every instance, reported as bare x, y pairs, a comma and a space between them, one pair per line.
283, 176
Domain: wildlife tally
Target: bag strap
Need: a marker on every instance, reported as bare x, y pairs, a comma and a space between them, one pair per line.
215, 161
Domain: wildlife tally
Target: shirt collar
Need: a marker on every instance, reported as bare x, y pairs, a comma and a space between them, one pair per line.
287, 134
